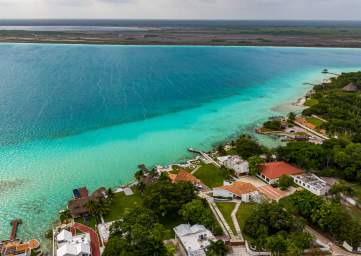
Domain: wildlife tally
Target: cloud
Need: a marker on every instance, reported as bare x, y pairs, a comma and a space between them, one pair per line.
182, 9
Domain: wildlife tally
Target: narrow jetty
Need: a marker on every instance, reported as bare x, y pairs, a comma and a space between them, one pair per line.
15, 223
205, 156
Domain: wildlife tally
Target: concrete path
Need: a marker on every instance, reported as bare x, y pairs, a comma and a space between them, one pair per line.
219, 216
238, 251
314, 133
205, 156
336, 250
195, 169
235, 221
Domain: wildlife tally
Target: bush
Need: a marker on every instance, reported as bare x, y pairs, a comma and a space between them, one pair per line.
284, 182
272, 125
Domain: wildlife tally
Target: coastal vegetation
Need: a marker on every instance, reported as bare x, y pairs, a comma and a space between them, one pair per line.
270, 227
272, 125
246, 147
329, 216
339, 105
335, 157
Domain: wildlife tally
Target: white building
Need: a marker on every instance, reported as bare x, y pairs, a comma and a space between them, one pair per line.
312, 183
194, 239
238, 190
235, 163
69, 245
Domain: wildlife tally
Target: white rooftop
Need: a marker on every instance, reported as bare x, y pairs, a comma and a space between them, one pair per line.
312, 180
194, 238
64, 235
69, 245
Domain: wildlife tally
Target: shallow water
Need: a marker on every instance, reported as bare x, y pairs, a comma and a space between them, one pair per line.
75, 115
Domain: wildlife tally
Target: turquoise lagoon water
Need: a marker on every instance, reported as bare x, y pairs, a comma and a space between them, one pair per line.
75, 115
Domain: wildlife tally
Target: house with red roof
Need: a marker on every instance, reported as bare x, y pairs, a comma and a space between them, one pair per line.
184, 176
271, 172
238, 190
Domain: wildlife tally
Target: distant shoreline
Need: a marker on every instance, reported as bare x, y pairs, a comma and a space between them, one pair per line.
114, 43
207, 33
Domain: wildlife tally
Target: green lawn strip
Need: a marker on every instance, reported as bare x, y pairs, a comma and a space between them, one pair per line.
314, 121
244, 211
226, 210
311, 102
121, 204
210, 175
90, 221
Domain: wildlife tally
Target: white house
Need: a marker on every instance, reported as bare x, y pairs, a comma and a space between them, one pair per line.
312, 183
194, 239
240, 190
235, 163
69, 245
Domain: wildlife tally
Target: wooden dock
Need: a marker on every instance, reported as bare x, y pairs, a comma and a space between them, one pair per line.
15, 223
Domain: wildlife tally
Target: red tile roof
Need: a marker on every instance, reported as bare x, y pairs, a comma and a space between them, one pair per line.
183, 175
239, 188
275, 170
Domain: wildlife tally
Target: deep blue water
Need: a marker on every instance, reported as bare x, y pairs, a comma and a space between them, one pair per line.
56, 90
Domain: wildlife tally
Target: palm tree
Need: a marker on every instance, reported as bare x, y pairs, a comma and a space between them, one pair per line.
110, 193
141, 187
102, 207
64, 215
139, 175
91, 206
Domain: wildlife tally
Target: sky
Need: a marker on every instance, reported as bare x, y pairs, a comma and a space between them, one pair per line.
181, 9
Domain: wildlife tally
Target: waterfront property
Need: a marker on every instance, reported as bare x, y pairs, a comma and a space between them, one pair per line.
312, 183
184, 176
77, 206
211, 175
245, 192
73, 245
16, 247
193, 239
271, 172
235, 163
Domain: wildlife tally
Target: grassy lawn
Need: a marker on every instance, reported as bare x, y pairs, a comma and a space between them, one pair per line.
226, 210
89, 221
311, 102
244, 212
314, 121
121, 204
211, 175
354, 212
